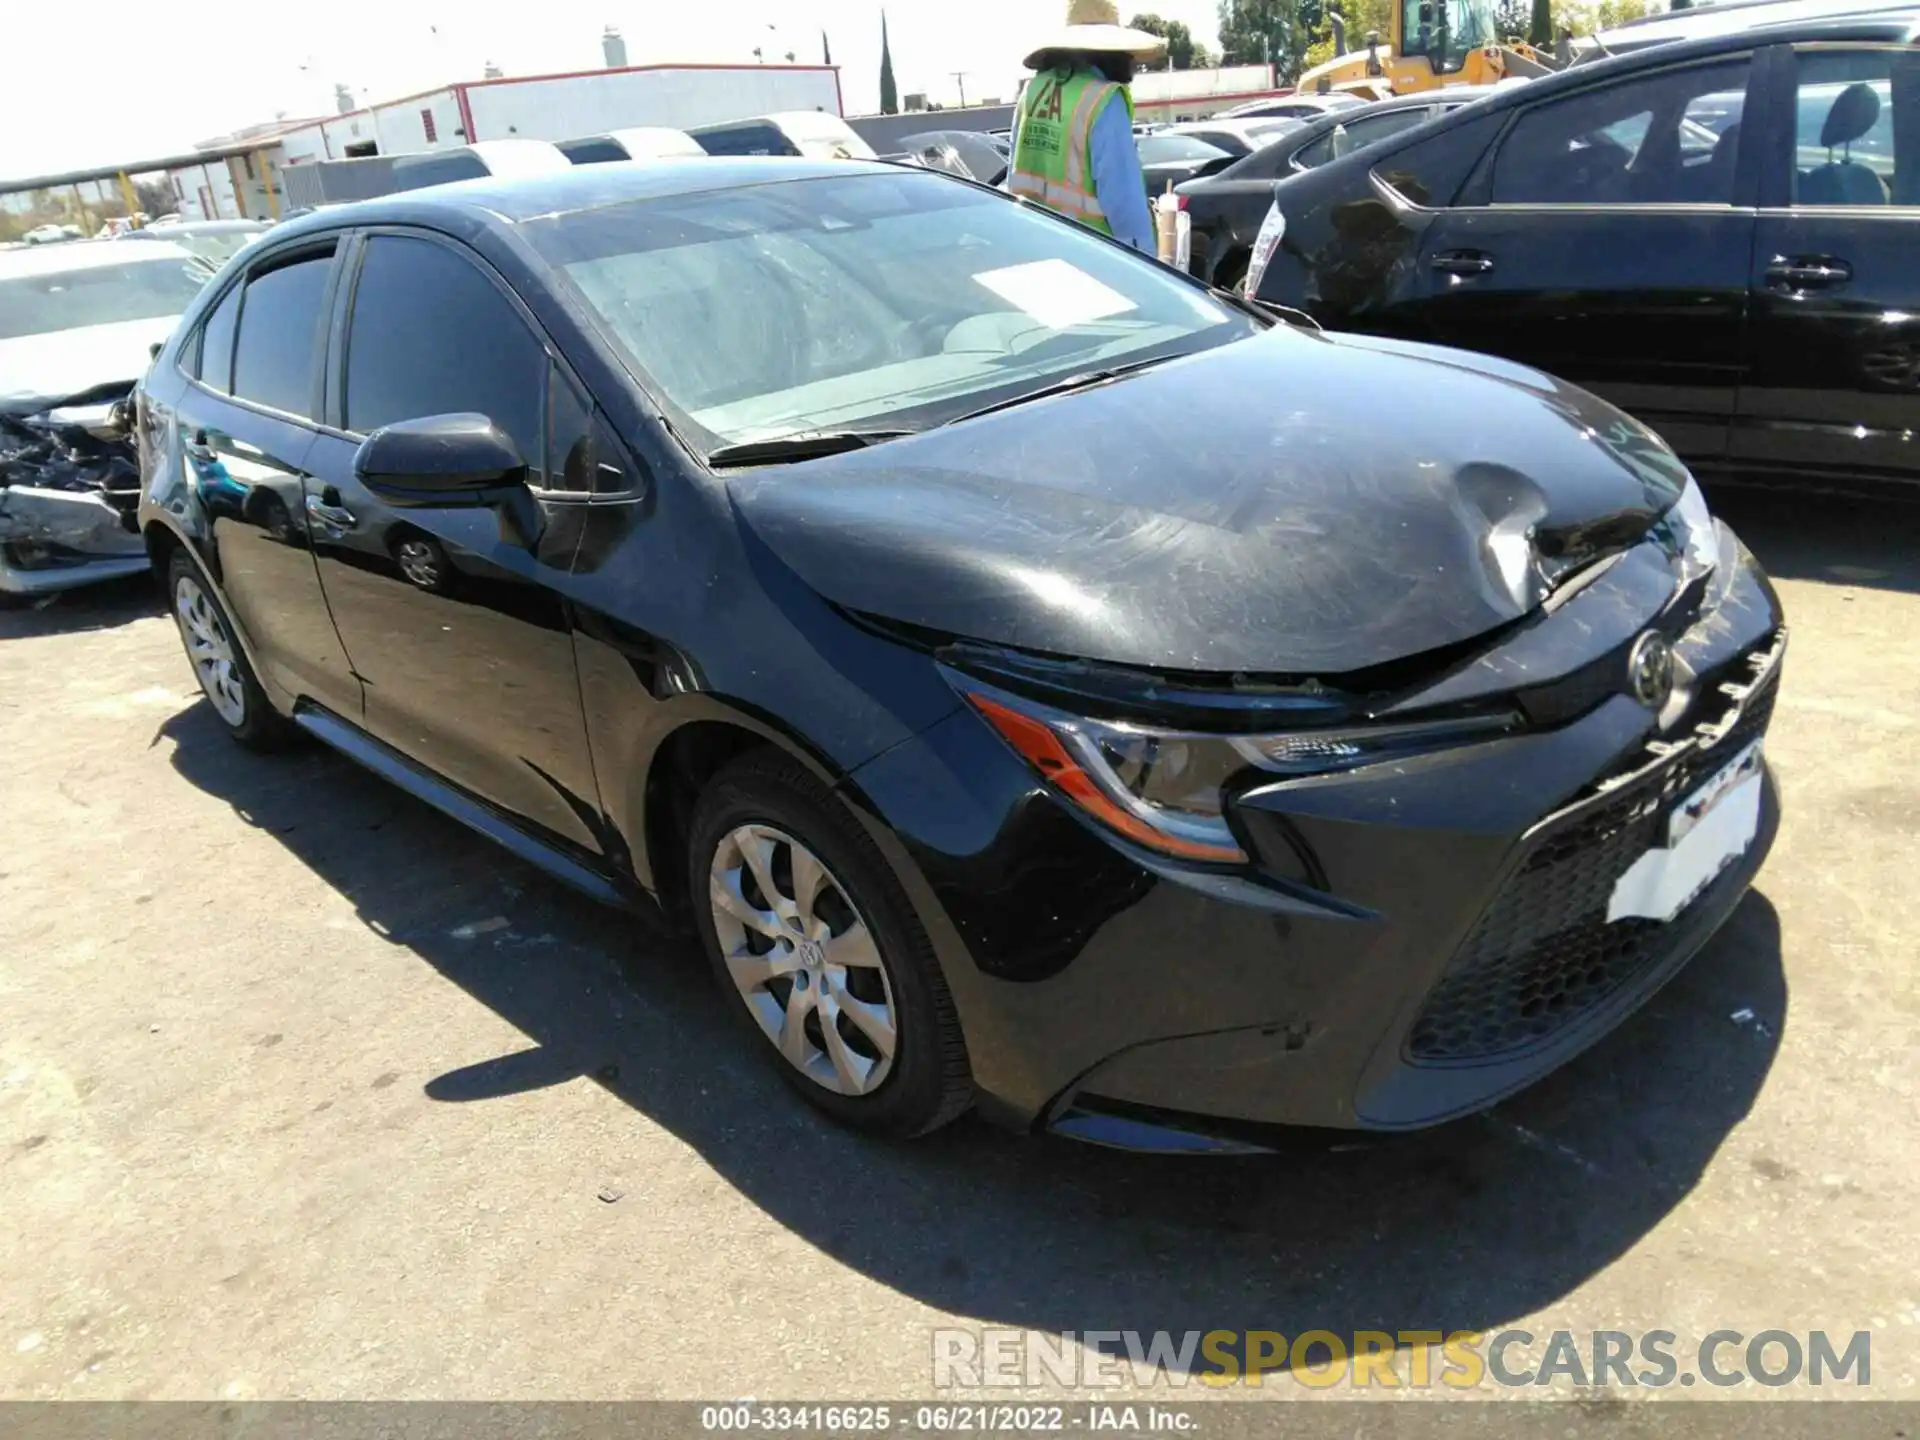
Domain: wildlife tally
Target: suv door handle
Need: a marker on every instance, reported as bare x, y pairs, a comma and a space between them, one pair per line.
1808, 272
326, 509
199, 446
1462, 262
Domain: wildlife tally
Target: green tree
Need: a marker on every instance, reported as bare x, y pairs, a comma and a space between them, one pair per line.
1185, 52
1261, 32
889, 92
1512, 18
1540, 28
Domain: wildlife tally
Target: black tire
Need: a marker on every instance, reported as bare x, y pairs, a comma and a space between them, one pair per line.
261, 726
929, 1084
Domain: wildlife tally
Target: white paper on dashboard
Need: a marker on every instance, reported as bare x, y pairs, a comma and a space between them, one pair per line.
1056, 293
1661, 881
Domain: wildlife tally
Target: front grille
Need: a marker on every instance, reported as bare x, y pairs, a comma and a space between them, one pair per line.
1544, 954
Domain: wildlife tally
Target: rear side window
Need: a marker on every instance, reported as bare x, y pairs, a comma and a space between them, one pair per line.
215, 367
1430, 172
275, 357
1666, 139
432, 335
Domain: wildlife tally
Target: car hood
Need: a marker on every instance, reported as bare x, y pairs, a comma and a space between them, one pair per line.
1291, 504
68, 362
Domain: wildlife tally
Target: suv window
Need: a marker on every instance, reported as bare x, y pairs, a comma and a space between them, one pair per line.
751, 139
432, 335
1351, 135
1666, 139
1853, 108
275, 357
213, 363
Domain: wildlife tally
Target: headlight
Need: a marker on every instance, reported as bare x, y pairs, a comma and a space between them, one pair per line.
1167, 789
1693, 529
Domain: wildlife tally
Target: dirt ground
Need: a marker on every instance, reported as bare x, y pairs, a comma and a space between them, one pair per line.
306, 1092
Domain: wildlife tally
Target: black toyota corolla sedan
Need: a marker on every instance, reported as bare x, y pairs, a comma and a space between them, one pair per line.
1042, 683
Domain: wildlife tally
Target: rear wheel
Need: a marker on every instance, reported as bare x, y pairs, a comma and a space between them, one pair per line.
219, 664
819, 952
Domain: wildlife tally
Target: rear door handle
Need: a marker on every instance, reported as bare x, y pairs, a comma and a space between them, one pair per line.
1462, 262
325, 509
199, 446
1808, 272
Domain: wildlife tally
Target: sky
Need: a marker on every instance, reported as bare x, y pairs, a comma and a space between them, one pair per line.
149, 85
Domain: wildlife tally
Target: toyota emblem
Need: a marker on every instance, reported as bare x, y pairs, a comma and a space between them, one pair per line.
1650, 671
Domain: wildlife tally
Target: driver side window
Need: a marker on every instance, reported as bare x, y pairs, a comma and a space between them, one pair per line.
1666, 139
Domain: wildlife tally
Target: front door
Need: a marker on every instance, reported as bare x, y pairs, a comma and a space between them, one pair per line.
1834, 393
458, 631
1603, 244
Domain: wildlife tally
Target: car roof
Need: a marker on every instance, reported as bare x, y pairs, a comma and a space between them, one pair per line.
83, 255
1727, 17
1753, 30
503, 200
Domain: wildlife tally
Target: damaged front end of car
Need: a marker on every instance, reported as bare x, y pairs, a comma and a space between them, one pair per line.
69, 489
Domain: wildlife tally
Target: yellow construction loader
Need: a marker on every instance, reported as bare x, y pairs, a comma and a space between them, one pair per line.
1434, 43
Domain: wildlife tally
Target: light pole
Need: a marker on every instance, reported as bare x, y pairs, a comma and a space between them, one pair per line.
960, 78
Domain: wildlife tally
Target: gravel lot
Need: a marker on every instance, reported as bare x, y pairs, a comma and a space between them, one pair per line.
305, 1092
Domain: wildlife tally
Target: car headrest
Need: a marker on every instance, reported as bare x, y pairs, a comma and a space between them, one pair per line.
1852, 115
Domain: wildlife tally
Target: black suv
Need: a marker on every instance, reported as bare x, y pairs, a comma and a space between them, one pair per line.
1718, 235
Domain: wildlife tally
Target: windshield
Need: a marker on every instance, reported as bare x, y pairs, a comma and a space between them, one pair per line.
894, 300
1452, 30
97, 295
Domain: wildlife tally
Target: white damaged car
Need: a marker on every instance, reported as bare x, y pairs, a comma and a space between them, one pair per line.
78, 325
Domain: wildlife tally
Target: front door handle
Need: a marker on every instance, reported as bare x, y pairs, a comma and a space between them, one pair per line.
1462, 262
1808, 272
199, 447
326, 509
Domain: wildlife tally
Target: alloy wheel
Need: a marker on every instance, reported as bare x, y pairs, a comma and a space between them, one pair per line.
210, 648
803, 959
420, 563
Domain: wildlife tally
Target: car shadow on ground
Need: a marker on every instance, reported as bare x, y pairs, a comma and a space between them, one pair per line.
1464, 1227
1835, 539
96, 607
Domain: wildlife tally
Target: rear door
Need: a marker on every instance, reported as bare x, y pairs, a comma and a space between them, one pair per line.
1607, 241
458, 631
246, 426
1834, 392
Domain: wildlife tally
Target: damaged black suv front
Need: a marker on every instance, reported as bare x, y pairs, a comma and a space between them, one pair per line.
78, 324
1349, 751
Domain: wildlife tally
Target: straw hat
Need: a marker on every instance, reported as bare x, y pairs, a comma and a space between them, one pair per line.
1094, 25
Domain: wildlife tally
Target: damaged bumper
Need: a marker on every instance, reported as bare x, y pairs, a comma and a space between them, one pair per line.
1471, 922
69, 488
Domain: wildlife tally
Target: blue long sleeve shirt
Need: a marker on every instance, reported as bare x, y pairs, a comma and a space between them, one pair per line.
1118, 181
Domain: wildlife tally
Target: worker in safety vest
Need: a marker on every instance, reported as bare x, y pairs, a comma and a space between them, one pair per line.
1073, 147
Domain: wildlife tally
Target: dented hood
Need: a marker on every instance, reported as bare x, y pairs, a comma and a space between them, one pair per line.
67, 362
1291, 504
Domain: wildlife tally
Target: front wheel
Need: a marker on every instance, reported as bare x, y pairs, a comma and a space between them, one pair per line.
820, 953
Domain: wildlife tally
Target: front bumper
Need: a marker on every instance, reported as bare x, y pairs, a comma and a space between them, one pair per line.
63, 539
1453, 948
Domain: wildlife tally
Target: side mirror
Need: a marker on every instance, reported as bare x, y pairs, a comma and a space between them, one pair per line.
442, 460
452, 462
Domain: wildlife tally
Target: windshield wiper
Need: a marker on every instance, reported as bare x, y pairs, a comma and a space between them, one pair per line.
805, 445
1083, 380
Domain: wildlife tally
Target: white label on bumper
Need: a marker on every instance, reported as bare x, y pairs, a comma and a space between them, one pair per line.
1710, 829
